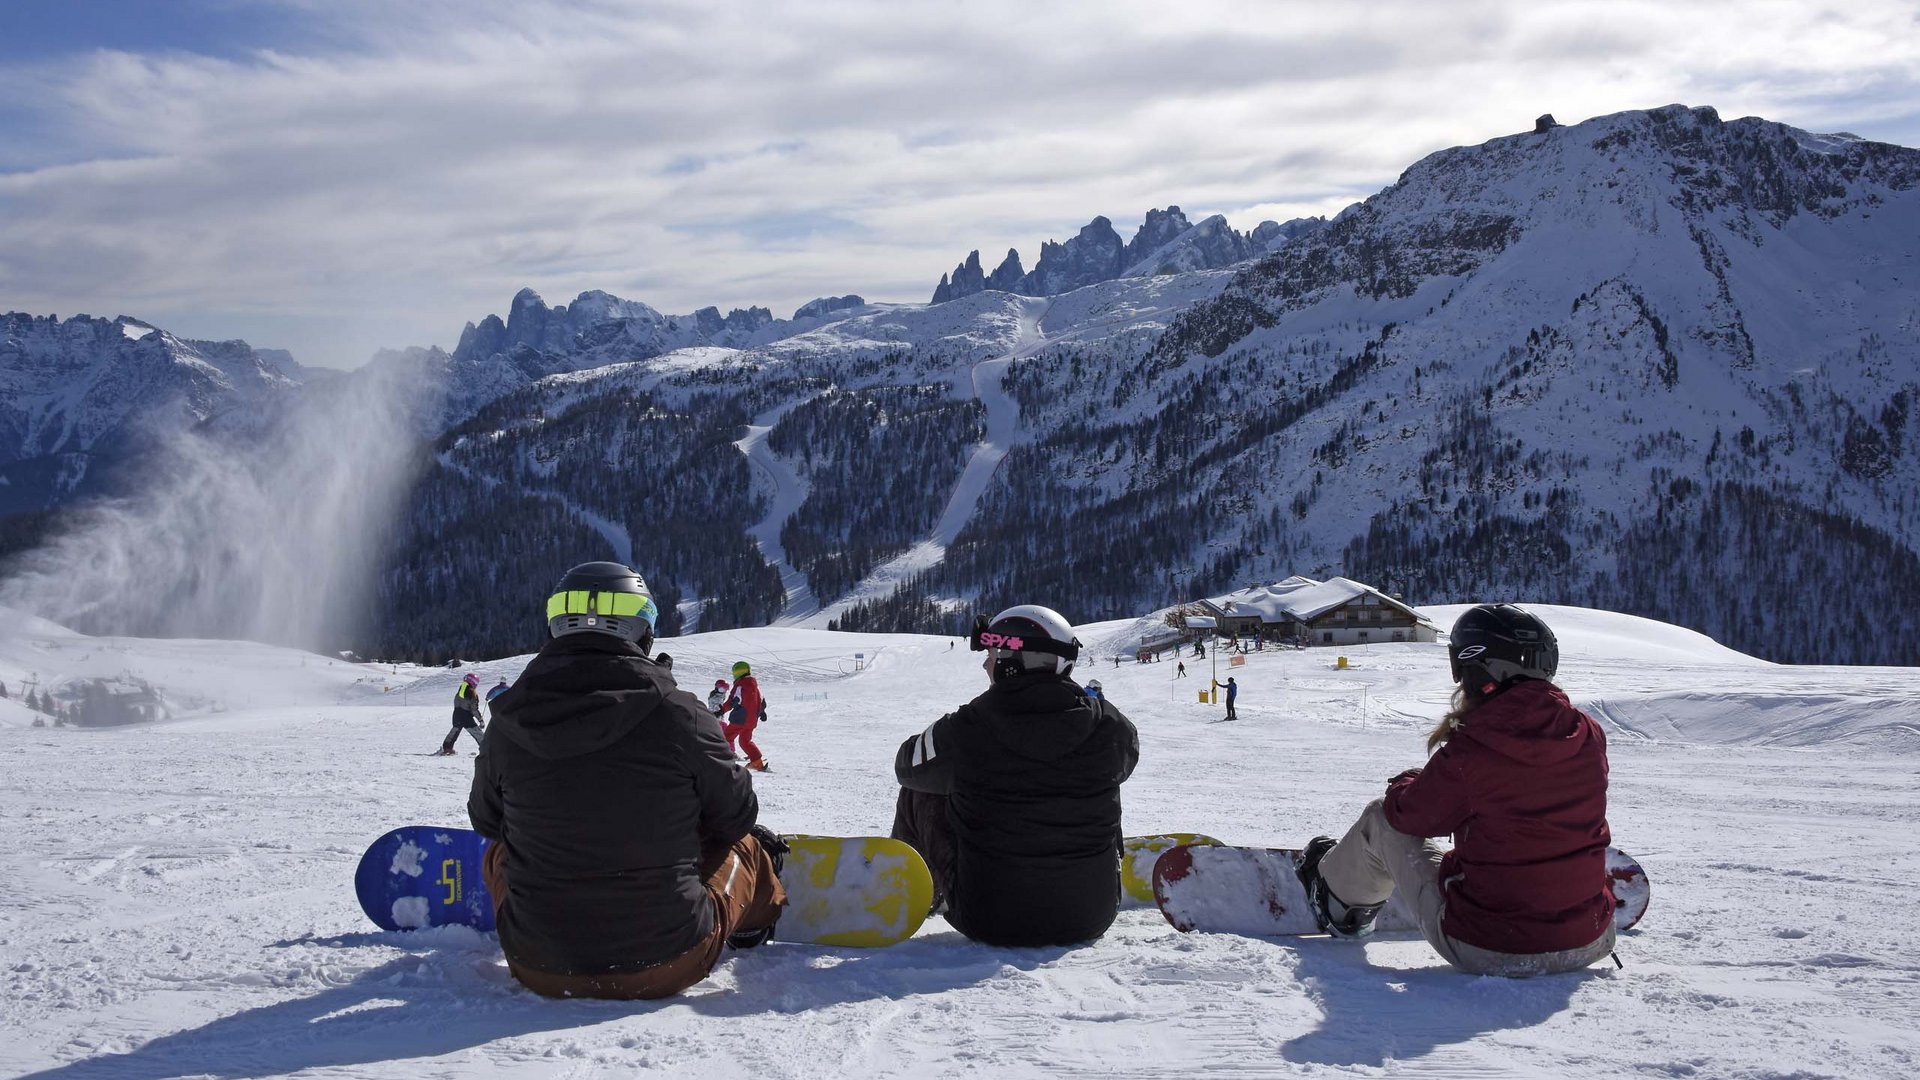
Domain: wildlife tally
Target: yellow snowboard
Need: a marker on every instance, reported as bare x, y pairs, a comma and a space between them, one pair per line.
862, 891
1137, 857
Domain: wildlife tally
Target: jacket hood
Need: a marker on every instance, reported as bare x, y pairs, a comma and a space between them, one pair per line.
582, 693
1531, 722
1040, 715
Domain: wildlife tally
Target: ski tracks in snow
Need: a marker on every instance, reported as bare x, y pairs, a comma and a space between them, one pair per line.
788, 491
1003, 433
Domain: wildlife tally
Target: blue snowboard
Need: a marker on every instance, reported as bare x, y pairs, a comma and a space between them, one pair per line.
419, 876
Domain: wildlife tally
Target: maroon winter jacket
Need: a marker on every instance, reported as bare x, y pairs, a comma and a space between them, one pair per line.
1522, 787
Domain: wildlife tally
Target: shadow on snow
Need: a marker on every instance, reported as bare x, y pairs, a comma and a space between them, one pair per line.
1375, 1015
456, 994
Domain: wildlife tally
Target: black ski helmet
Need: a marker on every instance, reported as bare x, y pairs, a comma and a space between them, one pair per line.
602, 598
1494, 643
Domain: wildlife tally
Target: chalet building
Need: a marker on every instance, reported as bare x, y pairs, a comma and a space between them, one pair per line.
1303, 611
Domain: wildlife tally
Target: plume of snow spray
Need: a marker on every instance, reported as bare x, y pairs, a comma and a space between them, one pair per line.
270, 536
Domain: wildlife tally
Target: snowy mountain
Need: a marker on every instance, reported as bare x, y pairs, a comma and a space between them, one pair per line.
1656, 362
178, 896
82, 395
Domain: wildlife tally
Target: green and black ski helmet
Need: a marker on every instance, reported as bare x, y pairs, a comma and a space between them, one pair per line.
602, 598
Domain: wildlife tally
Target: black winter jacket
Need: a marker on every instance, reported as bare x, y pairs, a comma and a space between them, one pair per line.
1032, 771
605, 782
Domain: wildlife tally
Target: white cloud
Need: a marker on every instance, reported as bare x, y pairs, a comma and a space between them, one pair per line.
406, 176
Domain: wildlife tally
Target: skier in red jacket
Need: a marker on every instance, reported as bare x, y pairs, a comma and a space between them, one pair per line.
742, 711
1518, 777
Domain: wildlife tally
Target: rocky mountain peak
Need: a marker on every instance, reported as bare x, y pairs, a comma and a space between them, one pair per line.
966, 279
1165, 242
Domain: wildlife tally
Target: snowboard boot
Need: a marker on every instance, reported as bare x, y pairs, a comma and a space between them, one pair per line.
1329, 913
757, 764
776, 850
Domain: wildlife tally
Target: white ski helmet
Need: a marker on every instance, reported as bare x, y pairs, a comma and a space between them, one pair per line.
1024, 638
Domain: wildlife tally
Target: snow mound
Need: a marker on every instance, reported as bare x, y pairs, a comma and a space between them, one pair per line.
1594, 636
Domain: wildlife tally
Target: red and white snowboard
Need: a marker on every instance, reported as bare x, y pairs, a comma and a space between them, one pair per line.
1257, 892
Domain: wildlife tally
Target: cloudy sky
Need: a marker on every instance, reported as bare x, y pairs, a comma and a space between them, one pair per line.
332, 176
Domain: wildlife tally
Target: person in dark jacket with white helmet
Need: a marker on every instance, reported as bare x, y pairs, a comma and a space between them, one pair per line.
624, 850
1518, 778
1014, 798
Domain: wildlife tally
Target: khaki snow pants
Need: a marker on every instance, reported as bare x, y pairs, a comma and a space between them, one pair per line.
1375, 860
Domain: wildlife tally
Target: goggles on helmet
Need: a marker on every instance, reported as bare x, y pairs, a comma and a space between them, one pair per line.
618, 604
987, 635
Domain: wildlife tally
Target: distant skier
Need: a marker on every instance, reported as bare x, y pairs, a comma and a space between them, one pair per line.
1093, 688
498, 689
744, 710
1014, 797
717, 697
1199, 648
1181, 673
466, 714
1233, 695
1518, 777
625, 853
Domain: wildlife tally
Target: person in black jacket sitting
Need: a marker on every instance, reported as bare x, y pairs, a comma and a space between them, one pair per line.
1014, 798
624, 849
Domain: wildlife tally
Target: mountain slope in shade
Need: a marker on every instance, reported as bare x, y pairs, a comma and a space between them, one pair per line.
81, 396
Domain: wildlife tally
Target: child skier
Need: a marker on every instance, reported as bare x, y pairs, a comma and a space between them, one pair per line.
717, 698
466, 714
744, 710
1518, 777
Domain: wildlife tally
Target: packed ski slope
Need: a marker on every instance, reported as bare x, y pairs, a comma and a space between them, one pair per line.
175, 897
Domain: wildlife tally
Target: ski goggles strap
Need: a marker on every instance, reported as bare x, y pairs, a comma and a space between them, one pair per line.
985, 637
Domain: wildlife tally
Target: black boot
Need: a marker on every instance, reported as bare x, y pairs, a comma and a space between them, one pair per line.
1329, 913
776, 850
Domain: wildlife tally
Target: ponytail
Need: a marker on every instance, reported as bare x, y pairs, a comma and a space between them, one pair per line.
1464, 702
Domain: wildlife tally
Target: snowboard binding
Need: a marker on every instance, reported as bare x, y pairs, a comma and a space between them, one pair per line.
1356, 920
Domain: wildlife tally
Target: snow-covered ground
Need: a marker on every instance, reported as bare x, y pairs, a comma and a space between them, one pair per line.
175, 898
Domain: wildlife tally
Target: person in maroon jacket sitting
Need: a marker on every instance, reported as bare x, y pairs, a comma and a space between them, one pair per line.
1518, 777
